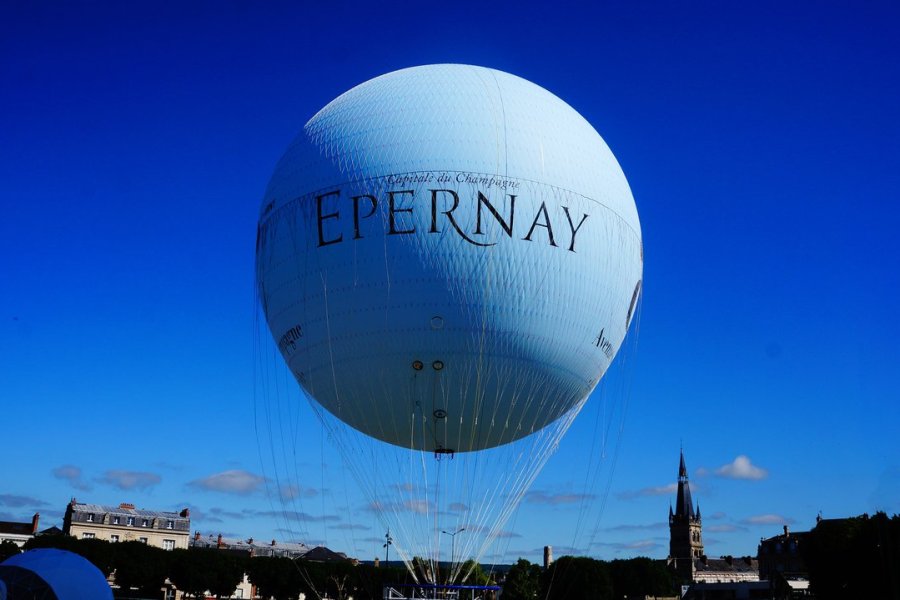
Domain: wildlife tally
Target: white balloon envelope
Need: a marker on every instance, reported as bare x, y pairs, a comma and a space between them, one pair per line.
448, 258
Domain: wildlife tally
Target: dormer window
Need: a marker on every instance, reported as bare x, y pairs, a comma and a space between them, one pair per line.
170, 524
116, 520
144, 522
131, 520
90, 518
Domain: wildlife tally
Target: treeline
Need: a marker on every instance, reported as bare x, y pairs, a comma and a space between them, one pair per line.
581, 578
857, 557
142, 570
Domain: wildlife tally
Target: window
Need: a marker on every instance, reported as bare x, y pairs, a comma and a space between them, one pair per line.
168, 544
144, 522
170, 524
113, 538
131, 520
87, 536
142, 540
116, 520
90, 518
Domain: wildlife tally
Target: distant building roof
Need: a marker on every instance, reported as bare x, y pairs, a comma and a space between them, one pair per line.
12, 528
323, 554
726, 569
20, 529
250, 546
271, 548
125, 509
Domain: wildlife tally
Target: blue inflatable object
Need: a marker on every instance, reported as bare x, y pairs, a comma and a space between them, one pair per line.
52, 574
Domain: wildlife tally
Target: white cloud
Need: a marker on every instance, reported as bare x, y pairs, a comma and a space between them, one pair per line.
291, 491
553, 499
646, 526
769, 519
15, 501
421, 507
130, 480
352, 527
234, 481
659, 490
503, 534
742, 468
72, 474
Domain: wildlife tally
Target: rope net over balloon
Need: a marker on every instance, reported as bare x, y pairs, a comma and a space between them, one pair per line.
448, 259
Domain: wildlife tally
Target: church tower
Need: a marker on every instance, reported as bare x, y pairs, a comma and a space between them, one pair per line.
685, 538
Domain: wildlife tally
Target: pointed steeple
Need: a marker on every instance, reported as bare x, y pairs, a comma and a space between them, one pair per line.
684, 506
685, 528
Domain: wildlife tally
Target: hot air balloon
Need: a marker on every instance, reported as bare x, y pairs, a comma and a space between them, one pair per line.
448, 260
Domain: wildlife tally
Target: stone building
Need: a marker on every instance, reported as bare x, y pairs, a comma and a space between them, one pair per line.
125, 523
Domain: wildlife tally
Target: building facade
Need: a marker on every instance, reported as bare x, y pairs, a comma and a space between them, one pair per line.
781, 555
125, 523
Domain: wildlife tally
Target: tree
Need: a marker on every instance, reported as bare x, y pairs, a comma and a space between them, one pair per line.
197, 571
140, 566
638, 577
227, 572
577, 578
854, 558
275, 577
523, 581
7, 549
473, 574
97, 552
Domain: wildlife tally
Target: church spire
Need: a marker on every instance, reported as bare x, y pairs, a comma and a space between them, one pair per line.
684, 506
685, 535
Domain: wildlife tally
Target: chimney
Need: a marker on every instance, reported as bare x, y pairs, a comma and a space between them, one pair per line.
273, 541
219, 542
377, 563
126, 506
34, 523
548, 556
197, 536
185, 513
786, 531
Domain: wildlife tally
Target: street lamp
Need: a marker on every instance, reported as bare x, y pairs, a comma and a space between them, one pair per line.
388, 540
453, 542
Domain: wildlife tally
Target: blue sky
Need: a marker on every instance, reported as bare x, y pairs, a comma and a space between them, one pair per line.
761, 144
